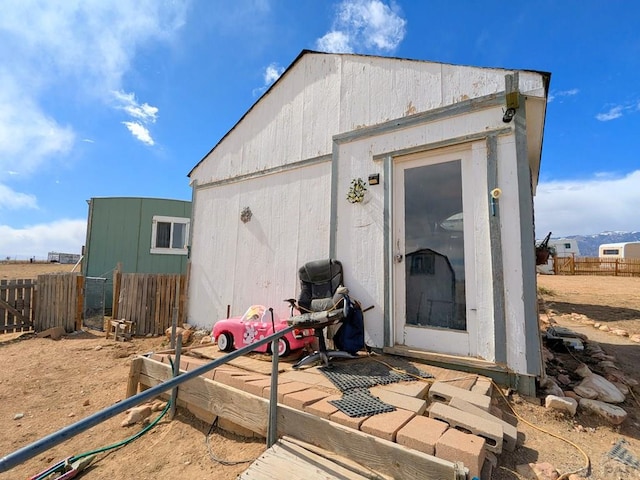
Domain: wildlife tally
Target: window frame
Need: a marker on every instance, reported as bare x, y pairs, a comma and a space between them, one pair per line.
172, 220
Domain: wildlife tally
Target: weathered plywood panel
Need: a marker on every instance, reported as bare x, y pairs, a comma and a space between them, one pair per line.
241, 264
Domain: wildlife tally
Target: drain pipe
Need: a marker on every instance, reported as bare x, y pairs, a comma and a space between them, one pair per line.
25, 453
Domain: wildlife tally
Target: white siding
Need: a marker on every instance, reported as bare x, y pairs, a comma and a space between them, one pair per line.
320, 97
241, 264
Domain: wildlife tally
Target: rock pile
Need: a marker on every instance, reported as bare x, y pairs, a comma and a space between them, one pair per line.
581, 389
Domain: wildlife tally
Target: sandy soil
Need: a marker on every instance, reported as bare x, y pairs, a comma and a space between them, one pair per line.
24, 270
55, 383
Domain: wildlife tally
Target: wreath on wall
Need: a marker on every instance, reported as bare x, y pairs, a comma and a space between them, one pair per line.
356, 191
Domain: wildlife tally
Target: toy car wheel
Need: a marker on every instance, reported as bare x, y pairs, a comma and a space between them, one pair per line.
283, 347
225, 342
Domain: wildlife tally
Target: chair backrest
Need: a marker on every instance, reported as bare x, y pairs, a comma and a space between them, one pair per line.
319, 281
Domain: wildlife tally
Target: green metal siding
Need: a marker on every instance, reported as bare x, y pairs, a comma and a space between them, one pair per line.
119, 231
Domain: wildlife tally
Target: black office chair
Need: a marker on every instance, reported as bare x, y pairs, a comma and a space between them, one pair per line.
321, 303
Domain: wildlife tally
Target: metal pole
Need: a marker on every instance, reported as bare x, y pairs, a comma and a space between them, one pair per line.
45, 443
174, 319
272, 426
176, 372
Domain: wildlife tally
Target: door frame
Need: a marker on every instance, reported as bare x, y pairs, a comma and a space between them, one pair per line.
438, 340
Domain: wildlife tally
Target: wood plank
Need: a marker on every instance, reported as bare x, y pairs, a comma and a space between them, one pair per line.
117, 280
251, 412
134, 376
21, 318
345, 462
241, 408
79, 301
3, 296
290, 461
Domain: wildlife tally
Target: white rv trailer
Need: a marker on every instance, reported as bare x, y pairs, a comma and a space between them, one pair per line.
619, 250
564, 247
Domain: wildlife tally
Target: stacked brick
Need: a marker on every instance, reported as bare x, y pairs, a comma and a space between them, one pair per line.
438, 419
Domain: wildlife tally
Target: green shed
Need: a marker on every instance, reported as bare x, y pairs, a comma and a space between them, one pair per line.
143, 235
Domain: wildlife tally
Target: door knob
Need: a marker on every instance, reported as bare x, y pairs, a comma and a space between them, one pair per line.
398, 257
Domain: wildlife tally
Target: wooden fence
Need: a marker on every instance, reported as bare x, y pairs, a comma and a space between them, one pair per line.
149, 300
59, 299
620, 267
17, 300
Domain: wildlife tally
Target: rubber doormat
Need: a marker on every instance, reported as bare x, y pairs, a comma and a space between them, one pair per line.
359, 402
366, 373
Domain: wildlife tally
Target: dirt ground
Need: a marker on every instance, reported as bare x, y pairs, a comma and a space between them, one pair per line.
24, 270
47, 384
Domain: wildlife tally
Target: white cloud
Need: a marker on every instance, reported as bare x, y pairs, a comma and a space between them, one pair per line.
576, 207
11, 200
48, 46
28, 136
66, 236
334, 42
562, 93
129, 104
364, 26
611, 114
140, 132
143, 114
272, 73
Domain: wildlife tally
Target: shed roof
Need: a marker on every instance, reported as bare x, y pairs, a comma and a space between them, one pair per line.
546, 77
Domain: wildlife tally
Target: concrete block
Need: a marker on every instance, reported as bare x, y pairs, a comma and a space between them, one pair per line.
386, 425
457, 446
301, 399
510, 433
398, 400
443, 392
239, 381
421, 433
284, 389
467, 422
323, 408
224, 373
483, 386
257, 387
346, 420
417, 389
310, 377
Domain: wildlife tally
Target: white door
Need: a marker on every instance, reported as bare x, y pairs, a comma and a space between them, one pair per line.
433, 252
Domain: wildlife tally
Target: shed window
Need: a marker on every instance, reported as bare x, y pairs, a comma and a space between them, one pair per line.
169, 235
611, 251
567, 246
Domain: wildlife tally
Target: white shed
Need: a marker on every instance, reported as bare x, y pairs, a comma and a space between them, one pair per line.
449, 156
619, 250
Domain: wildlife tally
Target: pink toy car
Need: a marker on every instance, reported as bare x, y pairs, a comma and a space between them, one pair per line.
254, 325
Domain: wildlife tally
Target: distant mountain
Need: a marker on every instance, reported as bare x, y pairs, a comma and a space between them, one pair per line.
589, 244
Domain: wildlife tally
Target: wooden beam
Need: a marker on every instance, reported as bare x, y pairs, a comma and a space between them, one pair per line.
134, 375
250, 411
16, 313
244, 409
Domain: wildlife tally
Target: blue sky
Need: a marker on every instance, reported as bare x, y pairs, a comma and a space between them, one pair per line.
123, 98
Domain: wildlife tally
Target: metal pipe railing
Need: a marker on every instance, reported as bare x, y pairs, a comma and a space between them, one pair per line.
25, 453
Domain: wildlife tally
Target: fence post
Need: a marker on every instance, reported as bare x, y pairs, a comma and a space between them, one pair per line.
616, 270
117, 282
80, 301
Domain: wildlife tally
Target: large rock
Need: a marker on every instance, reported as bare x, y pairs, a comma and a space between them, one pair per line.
563, 404
551, 387
611, 413
606, 391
